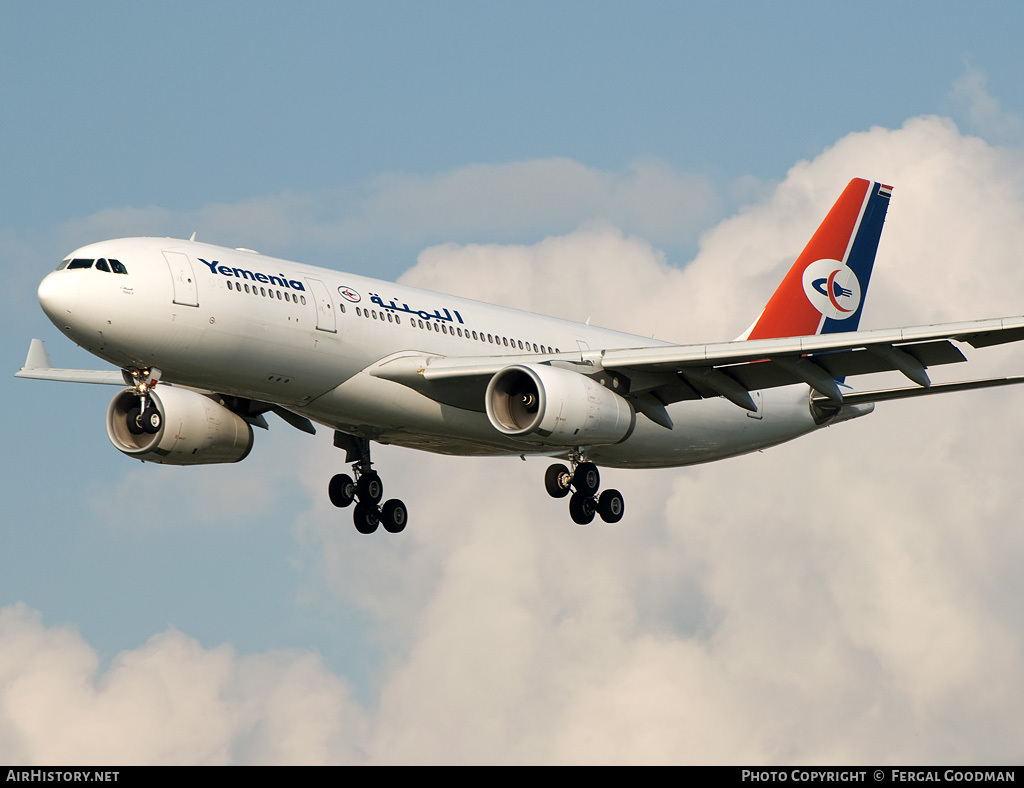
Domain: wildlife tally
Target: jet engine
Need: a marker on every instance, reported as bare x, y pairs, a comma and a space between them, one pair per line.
177, 427
555, 406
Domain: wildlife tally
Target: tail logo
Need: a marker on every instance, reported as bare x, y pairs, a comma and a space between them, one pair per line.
832, 288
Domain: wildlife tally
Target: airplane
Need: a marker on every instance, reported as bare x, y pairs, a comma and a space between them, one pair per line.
206, 340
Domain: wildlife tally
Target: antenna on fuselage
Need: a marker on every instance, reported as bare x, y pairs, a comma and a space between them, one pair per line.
193, 236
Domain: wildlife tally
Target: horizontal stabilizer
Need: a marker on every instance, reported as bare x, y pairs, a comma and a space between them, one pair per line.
37, 366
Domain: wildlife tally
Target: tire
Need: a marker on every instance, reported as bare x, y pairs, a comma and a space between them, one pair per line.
370, 488
341, 490
581, 509
586, 479
152, 420
394, 516
366, 517
557, 480
134, 420
610, 506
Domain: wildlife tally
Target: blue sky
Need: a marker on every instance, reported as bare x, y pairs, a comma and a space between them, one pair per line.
534, 153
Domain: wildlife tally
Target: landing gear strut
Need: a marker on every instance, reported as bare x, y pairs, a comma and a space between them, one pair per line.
146, 417
584, 479
366, 490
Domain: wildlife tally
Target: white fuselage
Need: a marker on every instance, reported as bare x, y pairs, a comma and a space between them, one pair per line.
306, 338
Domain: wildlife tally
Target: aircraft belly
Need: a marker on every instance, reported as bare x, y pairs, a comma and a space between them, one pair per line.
712, 429
289, 368
392, 413
704, 430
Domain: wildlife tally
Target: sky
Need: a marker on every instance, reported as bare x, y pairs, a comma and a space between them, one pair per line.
852, 597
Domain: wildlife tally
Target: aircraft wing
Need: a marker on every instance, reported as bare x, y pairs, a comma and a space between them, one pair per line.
658, 376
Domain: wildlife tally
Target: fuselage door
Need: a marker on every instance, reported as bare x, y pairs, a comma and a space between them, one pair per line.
325, 318
184, 278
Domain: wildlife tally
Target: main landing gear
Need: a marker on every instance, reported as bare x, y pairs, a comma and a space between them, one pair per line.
585, 480
366, 490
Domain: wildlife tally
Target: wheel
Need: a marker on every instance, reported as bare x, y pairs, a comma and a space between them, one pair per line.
341, 490
586, 479
610, 506
134, 419
366, 517
394, 516
152, 420
557, 480
370, 488
581, 508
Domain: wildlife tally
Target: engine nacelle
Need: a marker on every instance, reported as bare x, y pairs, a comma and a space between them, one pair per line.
556, 406
194, 429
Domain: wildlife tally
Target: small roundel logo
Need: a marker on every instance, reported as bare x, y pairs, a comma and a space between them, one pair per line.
832, 288
349, 294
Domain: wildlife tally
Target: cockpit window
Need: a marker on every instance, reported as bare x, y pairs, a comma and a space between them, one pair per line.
103, 264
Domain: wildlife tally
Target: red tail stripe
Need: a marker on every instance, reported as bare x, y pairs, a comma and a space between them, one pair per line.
789, 313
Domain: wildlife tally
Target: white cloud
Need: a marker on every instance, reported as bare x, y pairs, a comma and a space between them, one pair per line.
496, 201
542, 195
169, 701
846, 598
984, 112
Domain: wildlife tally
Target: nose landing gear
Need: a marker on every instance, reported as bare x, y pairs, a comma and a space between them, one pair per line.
145, 418
365, 490
585, 480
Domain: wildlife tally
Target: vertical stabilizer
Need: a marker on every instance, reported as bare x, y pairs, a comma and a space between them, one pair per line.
824, 291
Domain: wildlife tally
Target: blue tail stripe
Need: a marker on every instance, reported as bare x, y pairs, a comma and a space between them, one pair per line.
861, 258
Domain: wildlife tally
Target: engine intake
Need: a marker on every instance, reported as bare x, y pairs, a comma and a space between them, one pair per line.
194, 429
556, 406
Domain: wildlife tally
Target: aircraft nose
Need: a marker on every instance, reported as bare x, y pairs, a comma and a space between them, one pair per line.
57, 296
